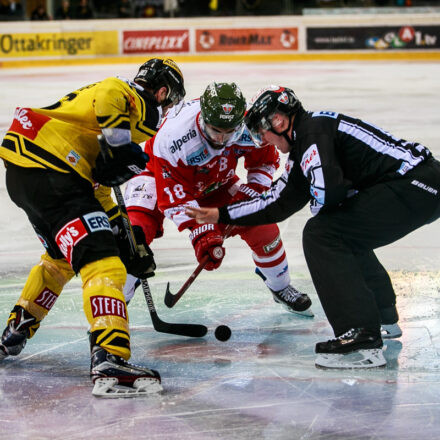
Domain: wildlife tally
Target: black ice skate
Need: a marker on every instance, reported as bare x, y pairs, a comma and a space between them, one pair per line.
17, 332
293, 300
356, 348
115, 377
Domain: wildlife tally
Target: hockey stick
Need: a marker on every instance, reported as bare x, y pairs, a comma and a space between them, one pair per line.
171, 299
191, 330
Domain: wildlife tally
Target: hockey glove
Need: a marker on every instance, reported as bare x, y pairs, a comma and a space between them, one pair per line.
120, 164
140, 265
207, 240
248, 191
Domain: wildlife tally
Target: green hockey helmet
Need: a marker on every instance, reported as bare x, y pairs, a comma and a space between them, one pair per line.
223, 105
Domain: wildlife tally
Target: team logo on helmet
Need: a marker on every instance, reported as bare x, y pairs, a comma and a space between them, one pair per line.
227, 108
283, 98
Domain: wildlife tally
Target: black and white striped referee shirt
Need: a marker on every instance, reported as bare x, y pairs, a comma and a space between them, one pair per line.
333, 157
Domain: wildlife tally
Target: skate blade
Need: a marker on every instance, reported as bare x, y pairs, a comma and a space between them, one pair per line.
307, 313
390, 331
372, 358
107, 387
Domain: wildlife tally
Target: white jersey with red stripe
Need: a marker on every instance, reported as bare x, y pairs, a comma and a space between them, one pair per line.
188, 169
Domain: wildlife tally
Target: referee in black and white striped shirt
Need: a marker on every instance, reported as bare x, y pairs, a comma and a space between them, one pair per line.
366, 188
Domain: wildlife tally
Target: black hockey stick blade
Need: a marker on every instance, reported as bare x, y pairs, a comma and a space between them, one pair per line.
169, 297
191, 330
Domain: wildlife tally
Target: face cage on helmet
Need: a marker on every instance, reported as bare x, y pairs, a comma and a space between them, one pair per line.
211, 134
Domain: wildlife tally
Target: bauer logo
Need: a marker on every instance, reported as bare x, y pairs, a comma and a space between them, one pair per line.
46, 298
69, 236
107, 306
97, 221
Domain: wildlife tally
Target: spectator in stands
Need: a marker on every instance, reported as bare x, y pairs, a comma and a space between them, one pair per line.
84, 11
125, 9
40, 13
11, 10
147, 10
170, 7
64, 12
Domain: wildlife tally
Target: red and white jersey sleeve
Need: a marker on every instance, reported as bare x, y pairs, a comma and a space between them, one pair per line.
187, 168
261, 164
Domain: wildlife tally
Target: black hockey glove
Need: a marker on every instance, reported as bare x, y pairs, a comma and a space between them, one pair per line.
120, 164
142, 264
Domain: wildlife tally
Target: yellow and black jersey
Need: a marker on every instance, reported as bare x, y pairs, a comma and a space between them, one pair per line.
62, 136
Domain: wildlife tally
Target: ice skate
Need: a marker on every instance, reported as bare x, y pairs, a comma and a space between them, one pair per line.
357, 348
115, 377
17, 332
391, 331
294, 301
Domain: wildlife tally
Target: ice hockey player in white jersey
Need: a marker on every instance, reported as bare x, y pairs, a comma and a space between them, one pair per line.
193, 160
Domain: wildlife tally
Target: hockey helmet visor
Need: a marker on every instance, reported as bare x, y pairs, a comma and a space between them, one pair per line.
264, 106
157, 73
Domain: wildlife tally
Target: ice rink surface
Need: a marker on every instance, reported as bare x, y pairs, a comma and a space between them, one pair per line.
262, 383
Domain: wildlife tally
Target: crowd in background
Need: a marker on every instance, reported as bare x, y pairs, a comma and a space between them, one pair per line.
86, 9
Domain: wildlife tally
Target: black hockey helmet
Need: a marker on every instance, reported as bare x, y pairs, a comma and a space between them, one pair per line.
267, 102
157, 73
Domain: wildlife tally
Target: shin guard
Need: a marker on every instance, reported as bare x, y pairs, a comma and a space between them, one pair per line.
268, 254
104, 305
43, 286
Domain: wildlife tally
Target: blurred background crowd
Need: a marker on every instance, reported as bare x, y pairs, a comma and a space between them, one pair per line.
87, 9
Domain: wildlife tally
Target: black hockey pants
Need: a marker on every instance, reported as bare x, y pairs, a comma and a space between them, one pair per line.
52, 200
353, 287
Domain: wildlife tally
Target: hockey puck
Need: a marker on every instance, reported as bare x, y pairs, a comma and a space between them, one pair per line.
222, 333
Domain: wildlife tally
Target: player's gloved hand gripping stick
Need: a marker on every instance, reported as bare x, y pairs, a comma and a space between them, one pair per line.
192, 330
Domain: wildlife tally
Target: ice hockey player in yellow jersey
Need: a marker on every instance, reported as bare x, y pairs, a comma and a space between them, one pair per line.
56, 173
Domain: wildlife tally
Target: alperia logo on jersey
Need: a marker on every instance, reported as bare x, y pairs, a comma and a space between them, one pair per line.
177, 144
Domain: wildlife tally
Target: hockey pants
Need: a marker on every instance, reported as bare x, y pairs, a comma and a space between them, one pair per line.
75, 231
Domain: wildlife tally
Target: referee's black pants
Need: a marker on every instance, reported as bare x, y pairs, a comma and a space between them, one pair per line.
353, 287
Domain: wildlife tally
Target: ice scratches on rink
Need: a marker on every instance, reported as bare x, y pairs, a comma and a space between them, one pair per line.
261, 384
